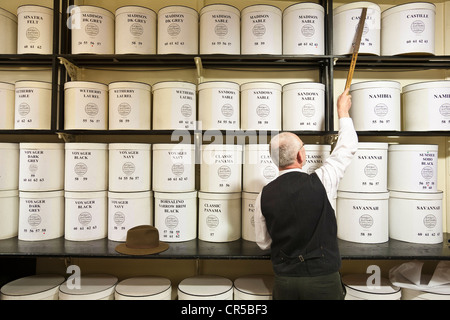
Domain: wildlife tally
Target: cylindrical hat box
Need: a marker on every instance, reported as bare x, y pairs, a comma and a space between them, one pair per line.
92, 30
426, 106
33, 105
144, 288
219, 105
258, 169
261, 106
411, 294
361, 287
174, 105
221, 168
91, 287
253, 287
261, 30
363, 217
34, 29
129, 105
129, 167
35, 287
86, 105
135, 30
416, 217
248, 213
86, 167
220, 29
41, 215
368, 170
86, 215
41, 166
205, 287
7, 107
173, 167
304, 106
9, 202
316, 154
219, 216
412, 167
8, 23
376, 105
345, 21
304, 29
177, 30
176, 216
9, 169
127, 210
408, 29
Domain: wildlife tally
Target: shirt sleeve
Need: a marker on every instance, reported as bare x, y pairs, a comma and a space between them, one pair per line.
263, 239
333, 169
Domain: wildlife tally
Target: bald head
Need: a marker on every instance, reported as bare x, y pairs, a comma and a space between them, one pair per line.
284, 148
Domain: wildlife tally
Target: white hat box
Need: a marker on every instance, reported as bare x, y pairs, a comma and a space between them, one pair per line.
9, 169
258, 168
144, 288
253, 287
34, 29
33, 105
9, 204
316, 155
8, 23
92, 287
34, 287
360, 287
205, 287
7, 105
248, 213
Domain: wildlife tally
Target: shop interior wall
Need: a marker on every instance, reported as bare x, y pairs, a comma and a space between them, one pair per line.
178, 269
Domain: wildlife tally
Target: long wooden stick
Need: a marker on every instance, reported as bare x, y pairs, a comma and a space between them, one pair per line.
356, 48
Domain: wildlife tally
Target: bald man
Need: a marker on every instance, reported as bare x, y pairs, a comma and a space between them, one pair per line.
295, 219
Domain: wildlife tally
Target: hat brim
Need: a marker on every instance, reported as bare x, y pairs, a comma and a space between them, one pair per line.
122, 248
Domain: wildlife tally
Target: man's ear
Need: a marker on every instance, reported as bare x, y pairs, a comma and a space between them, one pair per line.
299, 157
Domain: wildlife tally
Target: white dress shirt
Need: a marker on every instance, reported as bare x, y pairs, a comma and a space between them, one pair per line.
330, 173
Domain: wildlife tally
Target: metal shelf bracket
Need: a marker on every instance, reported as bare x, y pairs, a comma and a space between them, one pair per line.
71, 69
199, 65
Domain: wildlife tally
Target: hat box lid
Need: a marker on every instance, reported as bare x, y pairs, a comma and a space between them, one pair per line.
85, 146
249, 195
376, 84
363, 195
356, 285
426, 85
175, 195
417, 195
7, 145
219, 196
129, 146
86, 84
173, 146
254, 285
218, 84
92, 287
205, 285
42, 145
35, 287
129, 84
144, 287
130, 195
414, 147
409, 6
356, 5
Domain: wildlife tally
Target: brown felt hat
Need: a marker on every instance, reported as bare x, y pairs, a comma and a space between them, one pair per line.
142, 240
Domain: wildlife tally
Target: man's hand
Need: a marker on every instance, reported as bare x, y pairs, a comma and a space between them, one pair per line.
344, 104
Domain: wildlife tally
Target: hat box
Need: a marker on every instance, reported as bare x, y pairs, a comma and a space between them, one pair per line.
358, 288
9, 169
219, 216
144, 288
9, 204
304, 106
129, 167
7, 105
363, 217
8, 23
135, 30
426, 106
41, 215
408, 29
221, 168
173, 167
205, 287
376, 105
174, 105
219, 105
253, 287
127, 210
412, 167
177, 30
304, 29
261, 30
346, 18
86, 215
220, 29
316, 154
33, 105
261, 105
176, 216
92, 287
416, 217
86, 105
34, 29
129, 105
248, 212
258, 169
86, 167
92, 30
35, 287
368, 170
411, 294
41, 166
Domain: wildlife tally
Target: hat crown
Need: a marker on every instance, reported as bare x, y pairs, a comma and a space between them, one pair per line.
142, 237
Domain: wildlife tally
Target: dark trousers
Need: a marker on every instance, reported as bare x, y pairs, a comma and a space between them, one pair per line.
327, 287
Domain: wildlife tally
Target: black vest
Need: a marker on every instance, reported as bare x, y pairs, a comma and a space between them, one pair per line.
302, 225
